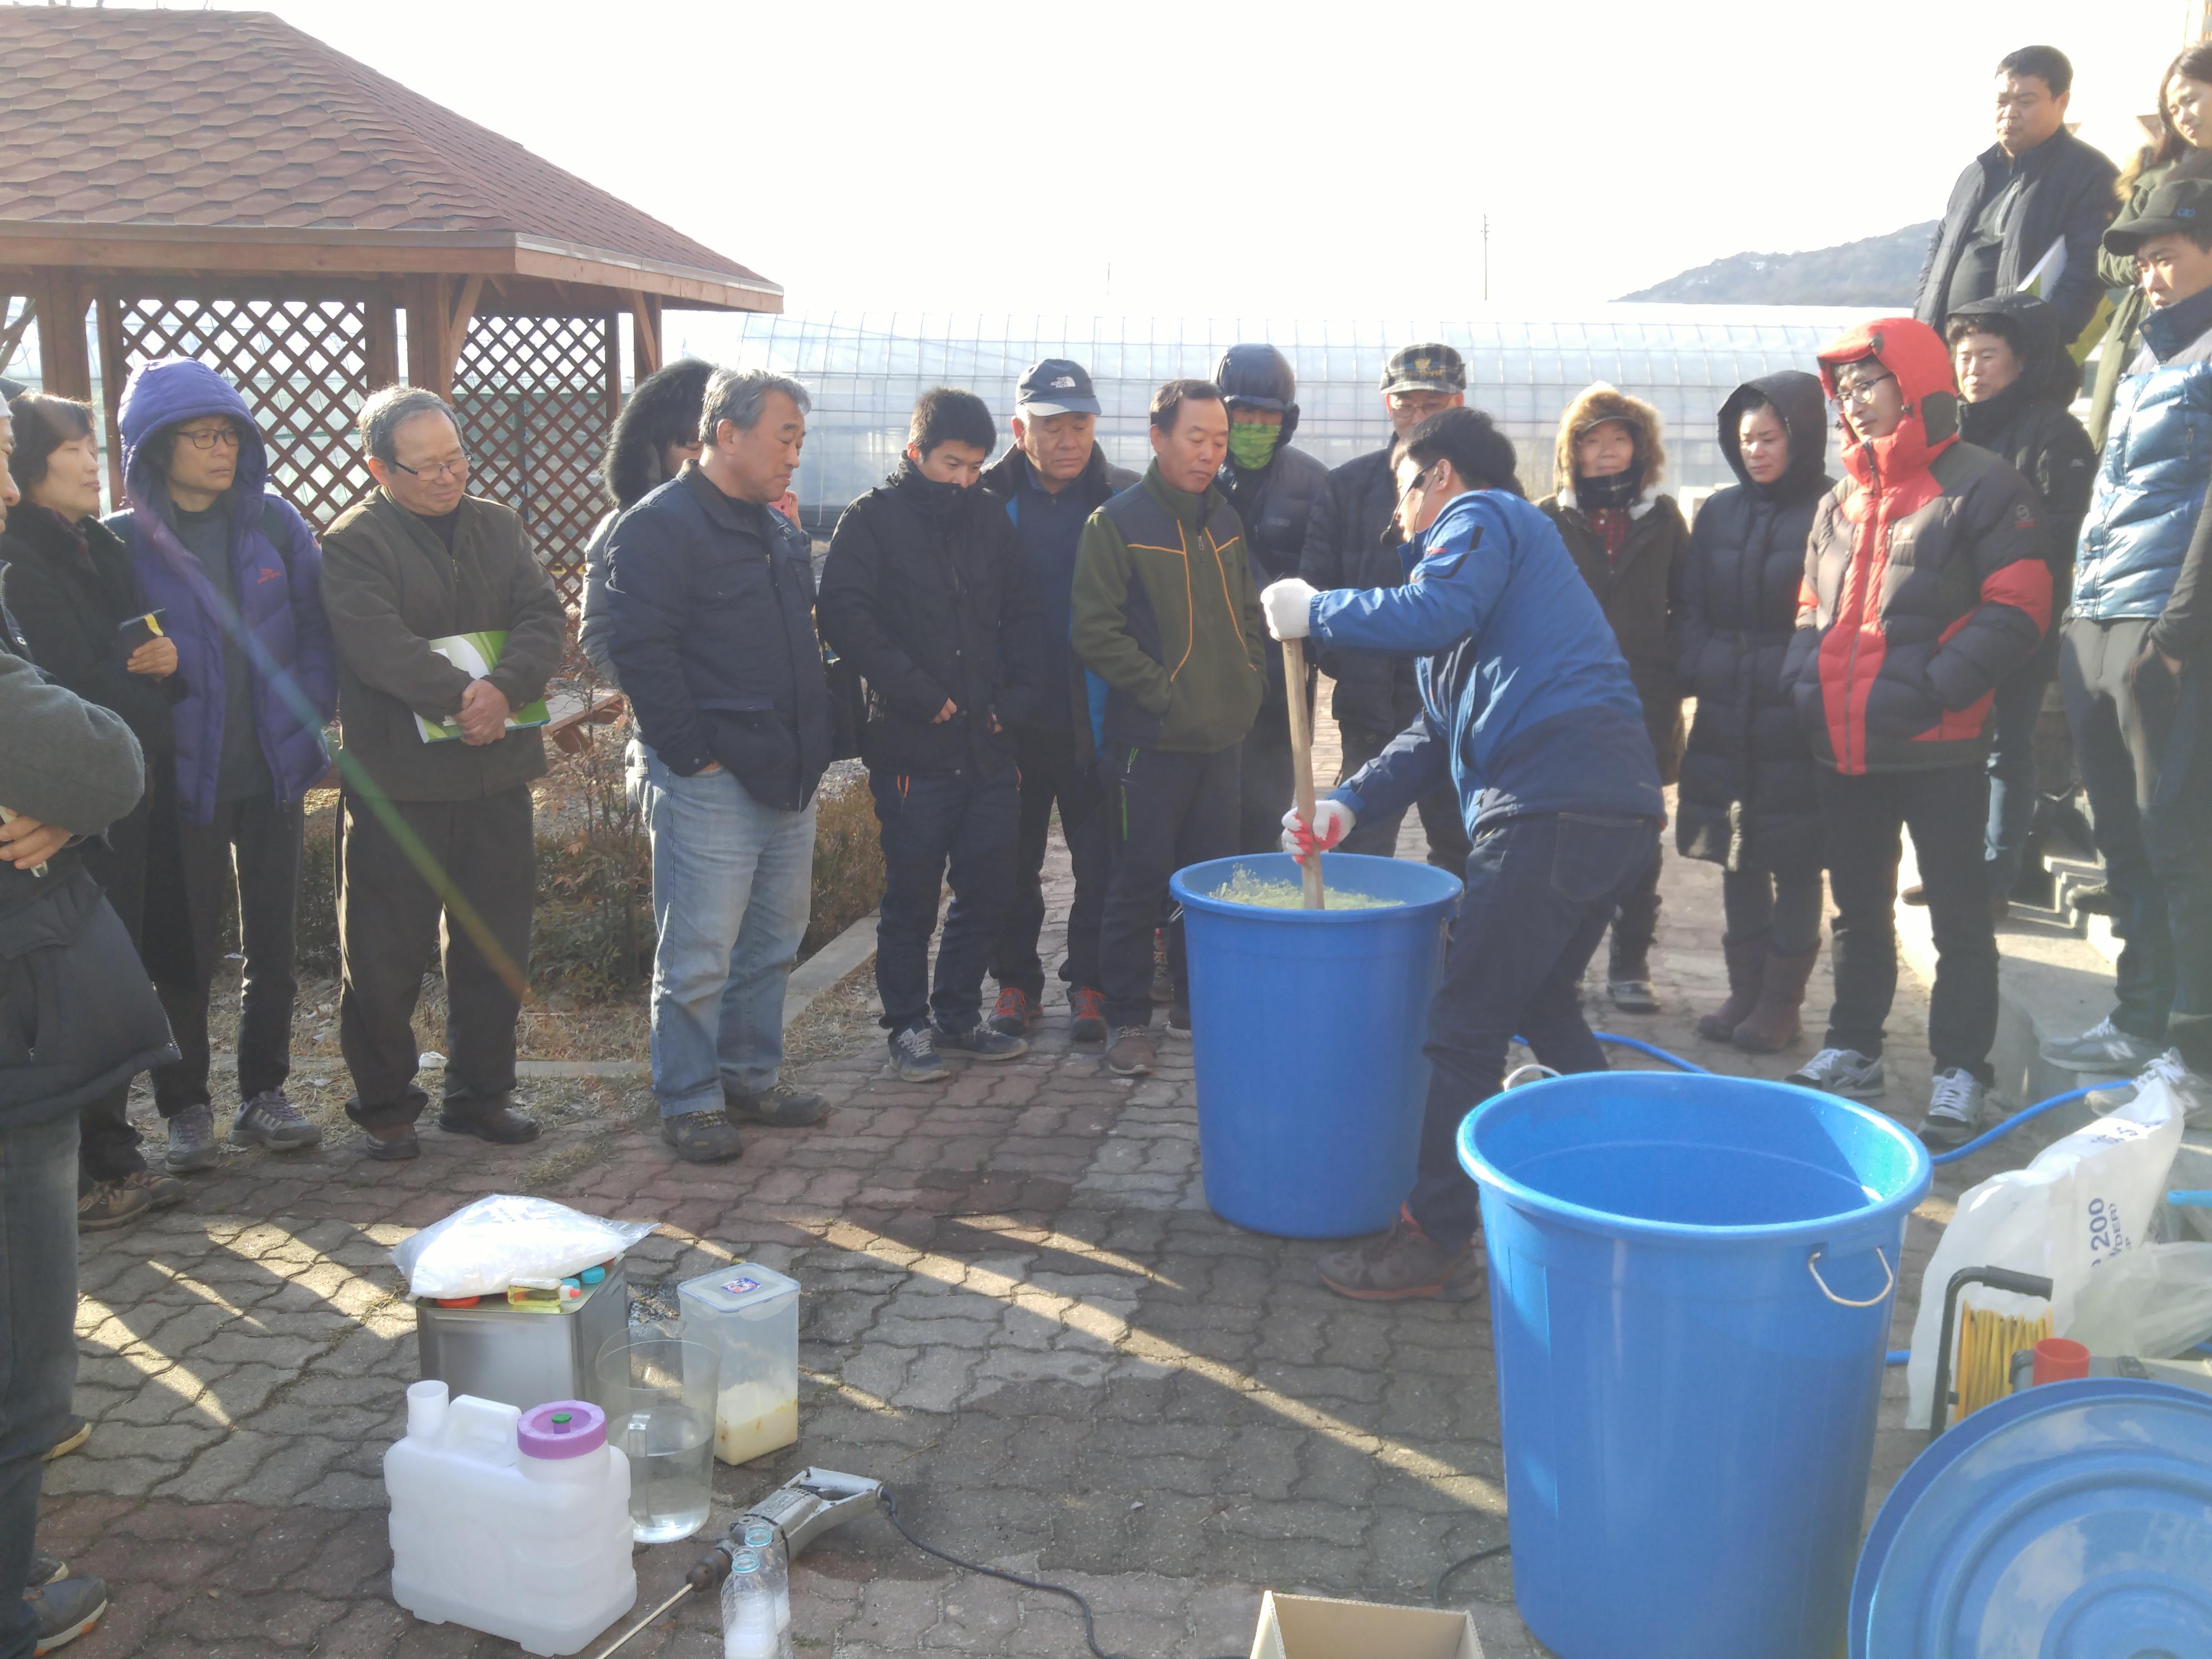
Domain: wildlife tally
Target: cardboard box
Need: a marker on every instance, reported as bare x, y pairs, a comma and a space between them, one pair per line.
1316, 1627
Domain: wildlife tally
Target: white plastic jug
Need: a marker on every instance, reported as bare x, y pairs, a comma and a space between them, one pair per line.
515, 1523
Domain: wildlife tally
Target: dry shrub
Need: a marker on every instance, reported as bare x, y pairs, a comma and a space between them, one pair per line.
848, 855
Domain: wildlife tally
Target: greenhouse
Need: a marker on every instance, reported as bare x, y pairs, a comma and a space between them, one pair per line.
865, 371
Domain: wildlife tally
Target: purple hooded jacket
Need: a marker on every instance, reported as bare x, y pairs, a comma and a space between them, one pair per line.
280, 623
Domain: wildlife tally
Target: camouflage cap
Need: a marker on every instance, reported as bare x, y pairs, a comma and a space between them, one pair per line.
1430, 366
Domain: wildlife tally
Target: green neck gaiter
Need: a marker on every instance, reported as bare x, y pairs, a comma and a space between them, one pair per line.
1252, 445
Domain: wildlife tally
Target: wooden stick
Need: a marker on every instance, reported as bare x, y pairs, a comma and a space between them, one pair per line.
1294, 676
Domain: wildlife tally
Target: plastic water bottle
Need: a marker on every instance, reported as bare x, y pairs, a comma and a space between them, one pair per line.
747, 1611
764, 1541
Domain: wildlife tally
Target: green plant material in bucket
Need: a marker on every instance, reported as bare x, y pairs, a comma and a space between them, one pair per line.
1245, 887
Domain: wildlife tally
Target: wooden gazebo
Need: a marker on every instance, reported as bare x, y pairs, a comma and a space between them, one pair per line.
220, 185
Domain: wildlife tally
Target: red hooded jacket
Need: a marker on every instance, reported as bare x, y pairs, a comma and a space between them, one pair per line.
1925, 583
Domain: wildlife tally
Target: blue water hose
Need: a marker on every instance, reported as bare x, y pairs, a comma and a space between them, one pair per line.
1895, 1356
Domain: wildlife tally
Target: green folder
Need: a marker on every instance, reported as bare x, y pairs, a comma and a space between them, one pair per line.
477, 655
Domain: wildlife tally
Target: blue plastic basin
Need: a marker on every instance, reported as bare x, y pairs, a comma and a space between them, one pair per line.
1687, 1413
1306, 1029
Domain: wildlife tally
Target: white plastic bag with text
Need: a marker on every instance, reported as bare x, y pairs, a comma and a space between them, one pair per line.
2084, 1201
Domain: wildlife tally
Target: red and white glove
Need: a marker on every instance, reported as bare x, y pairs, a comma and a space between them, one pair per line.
1332, 823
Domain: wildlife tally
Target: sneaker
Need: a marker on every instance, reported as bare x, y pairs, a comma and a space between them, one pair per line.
781, 1106
500, 1124
982, 1042
44, 1569
64, 1610
1013, 1012
1089, 1007
270, 1119
391, 1142
75, 1430
111, 1204
2104, 1049
1954, 1110
1916, 896
2192, 1091
1632, 994
701, 1137
1131, 1053
191, 1141
1844, 1071
915, 1059
1402, 1264
164, 1190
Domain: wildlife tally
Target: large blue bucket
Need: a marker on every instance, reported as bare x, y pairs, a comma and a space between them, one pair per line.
1691, 1284
1306, 1029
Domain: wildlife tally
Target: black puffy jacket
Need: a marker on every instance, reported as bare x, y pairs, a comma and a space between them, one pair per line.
1352, 541
1747, 796
2028, 425
929, 596
1275, 505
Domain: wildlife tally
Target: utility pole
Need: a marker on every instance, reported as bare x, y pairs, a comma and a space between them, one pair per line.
1485, 253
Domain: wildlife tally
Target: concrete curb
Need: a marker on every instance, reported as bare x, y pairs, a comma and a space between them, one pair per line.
818, 973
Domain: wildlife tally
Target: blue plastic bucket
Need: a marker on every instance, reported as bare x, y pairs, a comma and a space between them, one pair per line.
1691, 1286
1306, 1029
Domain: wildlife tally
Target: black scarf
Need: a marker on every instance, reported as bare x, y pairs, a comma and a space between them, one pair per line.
1616, 490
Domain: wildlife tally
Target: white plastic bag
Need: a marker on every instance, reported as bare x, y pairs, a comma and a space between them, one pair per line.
484, 1247
2086, 1200
2155, 1303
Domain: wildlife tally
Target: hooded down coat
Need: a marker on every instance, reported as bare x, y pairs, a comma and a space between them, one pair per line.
1641, 590
1746, 797
1924, 579
276, 573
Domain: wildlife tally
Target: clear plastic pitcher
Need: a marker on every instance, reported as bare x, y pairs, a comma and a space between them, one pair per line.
659, 1394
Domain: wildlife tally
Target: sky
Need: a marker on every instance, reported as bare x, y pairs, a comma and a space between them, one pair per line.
1127, 158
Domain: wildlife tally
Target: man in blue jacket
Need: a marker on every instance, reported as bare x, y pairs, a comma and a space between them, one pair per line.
1528, 709
2135, 664
238, 579
711, 598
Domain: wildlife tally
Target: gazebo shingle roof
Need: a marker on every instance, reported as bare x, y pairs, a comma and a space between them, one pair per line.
236, 121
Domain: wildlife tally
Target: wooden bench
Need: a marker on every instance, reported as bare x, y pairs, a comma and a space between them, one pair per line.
573, 714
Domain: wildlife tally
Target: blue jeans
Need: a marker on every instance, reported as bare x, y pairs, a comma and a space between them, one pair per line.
2011, 773
38, 1341
732, 882
966, 828
1540, 891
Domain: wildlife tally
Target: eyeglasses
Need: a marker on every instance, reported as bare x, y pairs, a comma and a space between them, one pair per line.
1861, 391
1419, 480
215, 437
454, 469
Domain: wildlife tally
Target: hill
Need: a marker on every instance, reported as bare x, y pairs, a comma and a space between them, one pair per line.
1878, 271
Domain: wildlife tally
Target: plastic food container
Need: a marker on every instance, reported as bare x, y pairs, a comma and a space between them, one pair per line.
747, 1314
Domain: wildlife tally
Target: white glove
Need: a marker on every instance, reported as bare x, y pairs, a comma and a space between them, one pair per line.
1332, 823
1289, 606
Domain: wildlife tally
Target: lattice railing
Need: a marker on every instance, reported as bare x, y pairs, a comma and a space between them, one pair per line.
532, 396
302, 367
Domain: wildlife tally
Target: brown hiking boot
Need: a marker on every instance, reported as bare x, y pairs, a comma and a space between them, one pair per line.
1404, 1263
1773, 1024
1131, 1053
1746, 959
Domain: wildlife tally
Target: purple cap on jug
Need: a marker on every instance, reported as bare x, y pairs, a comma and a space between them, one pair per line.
562, 1428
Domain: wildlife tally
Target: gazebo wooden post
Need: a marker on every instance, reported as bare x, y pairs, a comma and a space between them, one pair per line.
613, 358
64, 365
645, 332
382, 348
111, 374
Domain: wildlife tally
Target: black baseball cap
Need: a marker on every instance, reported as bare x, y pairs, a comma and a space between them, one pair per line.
1431, 365
1058, 386
2182, 205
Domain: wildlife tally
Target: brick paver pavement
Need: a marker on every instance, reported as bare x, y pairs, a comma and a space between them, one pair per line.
1018, 1310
